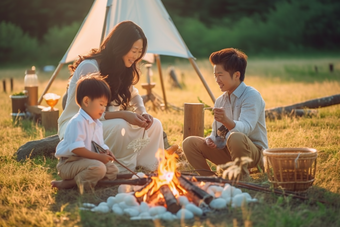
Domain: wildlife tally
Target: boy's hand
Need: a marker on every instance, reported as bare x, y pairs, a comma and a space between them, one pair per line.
105, 158
210, 142
108, 152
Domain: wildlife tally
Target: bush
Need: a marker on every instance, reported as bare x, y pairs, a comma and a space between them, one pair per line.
16, 46
56, 42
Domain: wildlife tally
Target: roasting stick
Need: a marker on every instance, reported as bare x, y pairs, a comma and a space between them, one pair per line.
101, 150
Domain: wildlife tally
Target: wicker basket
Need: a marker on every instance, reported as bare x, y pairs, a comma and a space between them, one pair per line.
291, 168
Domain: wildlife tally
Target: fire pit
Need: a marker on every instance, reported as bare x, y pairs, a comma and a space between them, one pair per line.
168, 195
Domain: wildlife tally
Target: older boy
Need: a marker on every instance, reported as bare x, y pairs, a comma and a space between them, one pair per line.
79, 164
239, 115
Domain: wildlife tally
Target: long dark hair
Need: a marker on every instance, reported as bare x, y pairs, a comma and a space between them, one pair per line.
110, 57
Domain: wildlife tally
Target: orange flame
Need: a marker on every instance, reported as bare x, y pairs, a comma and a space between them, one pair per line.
166, 173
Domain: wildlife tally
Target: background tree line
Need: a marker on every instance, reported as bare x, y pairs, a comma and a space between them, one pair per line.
41, 31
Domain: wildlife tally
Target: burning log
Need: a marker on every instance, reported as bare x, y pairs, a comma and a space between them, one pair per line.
144, 192
194, 193
170, 200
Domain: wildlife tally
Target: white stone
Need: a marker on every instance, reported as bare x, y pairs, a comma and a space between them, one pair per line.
226, 192
101, 209
157, 210
217, 190
84, 208
182, 200
117, 210
144, 214
88, 205
194, 209
123, 205
124, 188
184, 214
103, 204
144, 207
110, 201
141, 218
140, 174
218, 203
167, 216
137, 187
132, 212
239, 200
210, 192
235, 191
120, 197
130, 200
246, 194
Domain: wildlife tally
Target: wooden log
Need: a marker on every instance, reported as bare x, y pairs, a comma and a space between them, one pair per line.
140, 194
194, 193
31, 149
170, 200
299, 107
49, 119
141, 181
193, 120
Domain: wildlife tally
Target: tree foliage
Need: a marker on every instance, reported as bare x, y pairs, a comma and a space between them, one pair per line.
35, 17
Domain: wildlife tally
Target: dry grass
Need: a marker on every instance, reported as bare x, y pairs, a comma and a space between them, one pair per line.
27, 199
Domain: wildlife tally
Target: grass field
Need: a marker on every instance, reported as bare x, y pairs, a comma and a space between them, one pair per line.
28, 200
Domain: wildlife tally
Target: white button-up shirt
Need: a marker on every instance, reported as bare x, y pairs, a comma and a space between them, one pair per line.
80, 132
247, 109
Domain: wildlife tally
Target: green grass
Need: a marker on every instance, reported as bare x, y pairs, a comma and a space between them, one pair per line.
28, 200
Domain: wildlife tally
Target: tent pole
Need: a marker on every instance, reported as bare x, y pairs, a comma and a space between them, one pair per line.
56, 71
158, 59
104, 25
194, 64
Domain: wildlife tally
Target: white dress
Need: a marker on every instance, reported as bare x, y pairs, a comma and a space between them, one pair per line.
118, 133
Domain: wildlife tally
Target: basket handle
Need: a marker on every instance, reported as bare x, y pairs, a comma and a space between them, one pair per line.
296, 161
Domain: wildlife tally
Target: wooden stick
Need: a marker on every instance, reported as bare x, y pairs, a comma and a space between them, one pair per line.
101, 150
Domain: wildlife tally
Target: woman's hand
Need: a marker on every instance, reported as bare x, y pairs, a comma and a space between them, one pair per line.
149, 120
136, 119
210, 142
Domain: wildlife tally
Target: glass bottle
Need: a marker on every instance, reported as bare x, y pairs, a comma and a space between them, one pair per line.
31, 86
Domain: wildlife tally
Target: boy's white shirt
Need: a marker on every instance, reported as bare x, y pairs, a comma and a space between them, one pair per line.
247, 109
80, 132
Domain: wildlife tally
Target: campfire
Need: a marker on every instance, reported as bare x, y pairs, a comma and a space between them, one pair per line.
168, 195
167, 185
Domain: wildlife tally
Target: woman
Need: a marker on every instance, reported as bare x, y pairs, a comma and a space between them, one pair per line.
117, 59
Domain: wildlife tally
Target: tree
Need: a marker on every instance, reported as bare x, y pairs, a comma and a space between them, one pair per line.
35, 17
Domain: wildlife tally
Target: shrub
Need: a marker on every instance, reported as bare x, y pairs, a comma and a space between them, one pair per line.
15, 45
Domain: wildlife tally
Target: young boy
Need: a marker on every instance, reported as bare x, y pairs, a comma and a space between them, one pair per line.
79, 164
239, 118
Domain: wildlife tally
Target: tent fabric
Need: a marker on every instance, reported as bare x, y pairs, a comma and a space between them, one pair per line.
150, 15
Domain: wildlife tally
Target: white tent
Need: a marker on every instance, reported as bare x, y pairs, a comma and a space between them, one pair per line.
150, 15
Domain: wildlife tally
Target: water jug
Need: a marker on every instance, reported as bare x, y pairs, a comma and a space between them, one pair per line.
31, 86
